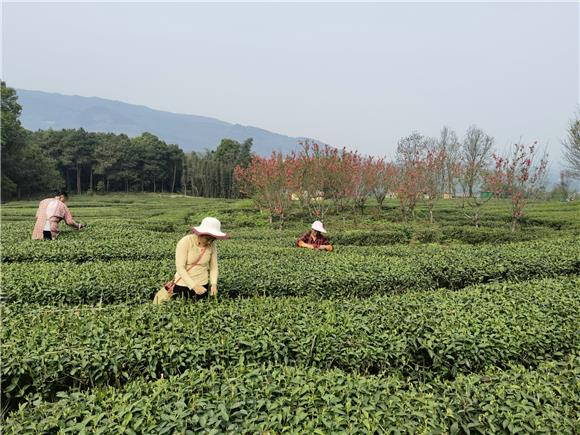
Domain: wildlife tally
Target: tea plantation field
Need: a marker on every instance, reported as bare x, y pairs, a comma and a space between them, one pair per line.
404, 328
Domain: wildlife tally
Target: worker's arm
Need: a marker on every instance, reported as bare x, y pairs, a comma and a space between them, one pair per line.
69, 219
213, 270
303, 244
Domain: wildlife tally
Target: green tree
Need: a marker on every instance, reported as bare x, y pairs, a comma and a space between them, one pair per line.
12, 141
26, 169
152, 158
39, 174
108, 153
176, 157
78, 147
60, 146
125, 171
228, 154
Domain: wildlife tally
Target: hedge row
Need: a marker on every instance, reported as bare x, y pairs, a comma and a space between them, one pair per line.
266, 399
125, 241
251, 270
152, 240
152, 246
433, 234
423, 335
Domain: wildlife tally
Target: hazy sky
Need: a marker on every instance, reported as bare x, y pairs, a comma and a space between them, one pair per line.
359, 75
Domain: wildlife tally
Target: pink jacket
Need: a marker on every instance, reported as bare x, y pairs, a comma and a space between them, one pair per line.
59, 213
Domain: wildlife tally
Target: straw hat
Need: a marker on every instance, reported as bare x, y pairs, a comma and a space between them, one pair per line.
210, 226
317, 226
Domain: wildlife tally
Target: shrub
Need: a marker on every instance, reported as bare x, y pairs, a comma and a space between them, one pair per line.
277, 399
258, 269
423, 335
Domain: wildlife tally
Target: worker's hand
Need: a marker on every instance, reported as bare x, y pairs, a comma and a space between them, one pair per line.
199, 290
81, 226
213, 291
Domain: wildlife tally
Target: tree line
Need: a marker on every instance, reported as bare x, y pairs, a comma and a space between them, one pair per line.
35, 163
79, 161
322, 179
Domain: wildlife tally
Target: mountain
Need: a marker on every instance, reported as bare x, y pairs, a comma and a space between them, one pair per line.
43, 110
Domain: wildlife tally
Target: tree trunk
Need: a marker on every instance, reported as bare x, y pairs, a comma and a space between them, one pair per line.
91, 180
431, 215
127, 185
154, 185
174, 177
78, 178
106, 184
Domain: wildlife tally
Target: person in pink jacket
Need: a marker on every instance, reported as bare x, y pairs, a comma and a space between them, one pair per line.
48, 216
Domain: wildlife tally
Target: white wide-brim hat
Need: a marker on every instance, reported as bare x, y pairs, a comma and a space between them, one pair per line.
210, 226
317, 226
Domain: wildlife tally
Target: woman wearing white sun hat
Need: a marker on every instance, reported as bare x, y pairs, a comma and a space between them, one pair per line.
314, 239
196, 261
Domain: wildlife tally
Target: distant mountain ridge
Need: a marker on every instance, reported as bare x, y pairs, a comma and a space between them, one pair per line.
43, 110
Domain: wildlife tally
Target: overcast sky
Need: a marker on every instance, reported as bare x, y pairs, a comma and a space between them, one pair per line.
358, 75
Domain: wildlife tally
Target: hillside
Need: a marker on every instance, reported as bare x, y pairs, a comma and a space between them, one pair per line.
43, 110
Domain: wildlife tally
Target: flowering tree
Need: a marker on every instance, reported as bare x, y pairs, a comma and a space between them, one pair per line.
267, 181
410, 184
318, 174
421, 176
359, 170
310, 177
315, 174
411, 155
518, 177
384, 179
337, 167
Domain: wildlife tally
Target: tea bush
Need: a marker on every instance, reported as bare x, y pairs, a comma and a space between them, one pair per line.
298, 341
423, 335
277, 399
249, 270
